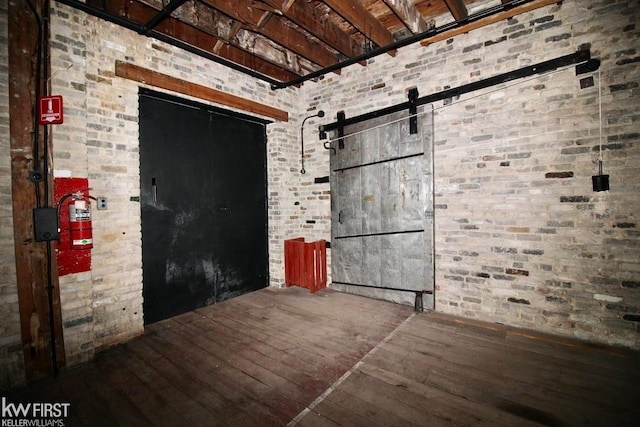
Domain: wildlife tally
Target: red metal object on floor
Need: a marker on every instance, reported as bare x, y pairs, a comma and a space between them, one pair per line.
305, 264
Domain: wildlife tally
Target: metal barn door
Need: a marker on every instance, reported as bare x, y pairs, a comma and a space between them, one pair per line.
382, 209
203, 200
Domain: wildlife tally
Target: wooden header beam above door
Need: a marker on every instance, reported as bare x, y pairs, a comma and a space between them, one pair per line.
163, 81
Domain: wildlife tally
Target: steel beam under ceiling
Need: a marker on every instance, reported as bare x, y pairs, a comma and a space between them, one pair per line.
148, 30
141, 29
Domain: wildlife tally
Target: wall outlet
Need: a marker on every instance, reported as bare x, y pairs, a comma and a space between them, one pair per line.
586, 82
101, 203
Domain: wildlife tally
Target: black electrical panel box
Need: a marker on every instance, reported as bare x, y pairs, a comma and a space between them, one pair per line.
45, 224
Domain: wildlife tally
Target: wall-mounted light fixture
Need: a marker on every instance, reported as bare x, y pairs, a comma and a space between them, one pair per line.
318, 114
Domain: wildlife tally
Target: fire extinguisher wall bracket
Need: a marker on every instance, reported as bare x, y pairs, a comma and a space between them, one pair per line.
73, 249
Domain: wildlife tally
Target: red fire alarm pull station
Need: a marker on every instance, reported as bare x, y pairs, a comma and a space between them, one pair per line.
51, 110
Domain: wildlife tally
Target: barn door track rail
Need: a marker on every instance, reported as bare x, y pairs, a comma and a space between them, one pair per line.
582, 58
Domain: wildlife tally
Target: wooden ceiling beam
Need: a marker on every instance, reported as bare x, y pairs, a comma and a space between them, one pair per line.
234, 54
251, 16
265, 64
360, 18
458, 9
286, 5
268, 49
500, 16
408, 14
228, 34
206, 41
307, 17
297, 42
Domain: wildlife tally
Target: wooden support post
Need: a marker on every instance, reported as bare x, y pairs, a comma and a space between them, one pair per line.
32, 272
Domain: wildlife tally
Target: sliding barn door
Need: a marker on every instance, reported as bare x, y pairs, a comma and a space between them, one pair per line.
382, 209
203, 198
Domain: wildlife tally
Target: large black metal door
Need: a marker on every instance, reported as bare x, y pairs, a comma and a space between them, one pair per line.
203, 200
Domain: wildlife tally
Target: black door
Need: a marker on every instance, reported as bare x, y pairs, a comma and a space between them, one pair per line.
203, 200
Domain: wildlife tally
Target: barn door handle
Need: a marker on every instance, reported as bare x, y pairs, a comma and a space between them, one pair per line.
340, 217
154, 189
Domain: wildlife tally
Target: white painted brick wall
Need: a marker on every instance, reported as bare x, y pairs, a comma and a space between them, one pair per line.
513, 246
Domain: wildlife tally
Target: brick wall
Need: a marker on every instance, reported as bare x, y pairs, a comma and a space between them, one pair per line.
99, 140
518, 240
11, 359
521, 238
304, 203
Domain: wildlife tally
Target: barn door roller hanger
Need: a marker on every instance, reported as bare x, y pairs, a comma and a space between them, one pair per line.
582, 58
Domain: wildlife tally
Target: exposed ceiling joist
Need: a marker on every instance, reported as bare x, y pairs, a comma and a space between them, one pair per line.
356, 14
508, 12
287, 42
164, 13
408, 14
458, 9
312, 21
276, 29
138, 12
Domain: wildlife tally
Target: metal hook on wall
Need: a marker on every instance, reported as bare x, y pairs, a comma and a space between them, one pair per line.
318, 114
329, 147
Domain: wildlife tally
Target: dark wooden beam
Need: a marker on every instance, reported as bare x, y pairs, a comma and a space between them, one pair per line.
212, 41
408, 14
491, 19
359, 17
137, 13
458, 9
306, 16
275, 68
153, 78
297, 42
275, 29
163, 14
32, 270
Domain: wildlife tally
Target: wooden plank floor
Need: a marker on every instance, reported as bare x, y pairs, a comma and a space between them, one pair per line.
440, 370
287, 357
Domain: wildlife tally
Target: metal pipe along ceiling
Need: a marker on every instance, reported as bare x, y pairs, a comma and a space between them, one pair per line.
147, 30
405, 42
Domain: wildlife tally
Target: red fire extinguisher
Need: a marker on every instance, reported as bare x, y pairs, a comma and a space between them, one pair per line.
80, 229
75, 235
